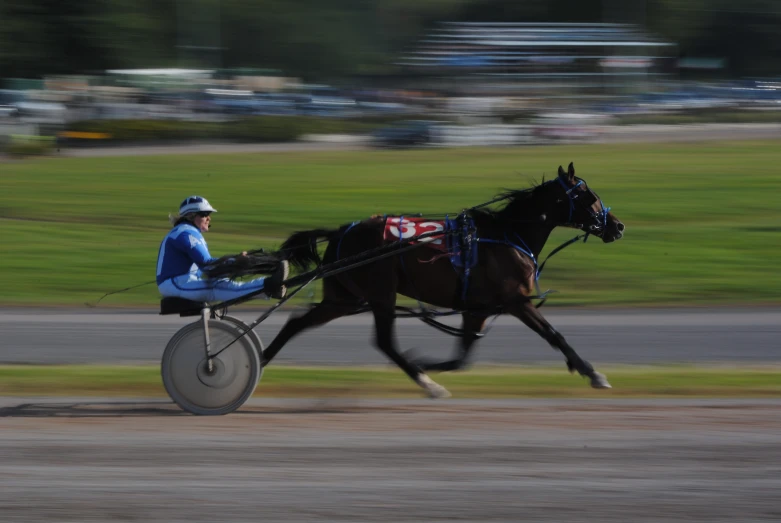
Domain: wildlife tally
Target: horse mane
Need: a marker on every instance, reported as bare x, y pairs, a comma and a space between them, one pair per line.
514, 198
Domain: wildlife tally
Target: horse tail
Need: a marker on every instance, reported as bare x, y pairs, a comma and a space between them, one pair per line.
300, 249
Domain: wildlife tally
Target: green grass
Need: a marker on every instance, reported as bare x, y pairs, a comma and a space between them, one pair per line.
480, 382
703, 220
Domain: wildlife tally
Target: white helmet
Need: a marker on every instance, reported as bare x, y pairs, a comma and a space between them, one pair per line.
195, 204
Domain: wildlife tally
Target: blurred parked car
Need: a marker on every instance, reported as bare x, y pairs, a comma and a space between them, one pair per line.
407, 133
8, 111
551, 127
8, 103
230, 101
18, 103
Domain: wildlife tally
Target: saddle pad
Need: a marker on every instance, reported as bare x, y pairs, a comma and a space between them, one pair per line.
400, 228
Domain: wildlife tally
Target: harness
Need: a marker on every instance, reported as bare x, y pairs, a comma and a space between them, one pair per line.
461, 238
462, 247
463, 244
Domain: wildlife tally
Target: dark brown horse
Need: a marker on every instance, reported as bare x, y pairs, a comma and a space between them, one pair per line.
508, 242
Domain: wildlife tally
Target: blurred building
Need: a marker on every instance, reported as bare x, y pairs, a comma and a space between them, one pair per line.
545, 59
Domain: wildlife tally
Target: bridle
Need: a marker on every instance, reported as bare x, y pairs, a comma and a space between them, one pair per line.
576, 198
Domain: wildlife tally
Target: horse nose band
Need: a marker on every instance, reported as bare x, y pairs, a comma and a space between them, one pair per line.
600, 217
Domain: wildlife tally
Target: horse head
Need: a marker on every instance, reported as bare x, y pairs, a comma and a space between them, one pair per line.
574, 204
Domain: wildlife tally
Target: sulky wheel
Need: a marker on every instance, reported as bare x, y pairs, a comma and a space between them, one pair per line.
243, 327
234, 375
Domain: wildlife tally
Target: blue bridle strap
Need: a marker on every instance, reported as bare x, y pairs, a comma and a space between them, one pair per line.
568, 192
600, 216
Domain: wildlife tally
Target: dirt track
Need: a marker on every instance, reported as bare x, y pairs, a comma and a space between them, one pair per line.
391, 461
308, 460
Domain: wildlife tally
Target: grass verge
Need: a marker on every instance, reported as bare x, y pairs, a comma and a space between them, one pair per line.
702, 219
480, 382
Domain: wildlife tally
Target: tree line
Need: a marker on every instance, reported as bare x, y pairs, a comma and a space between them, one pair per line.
337, 39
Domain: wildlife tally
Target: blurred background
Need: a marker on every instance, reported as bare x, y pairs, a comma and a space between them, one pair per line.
334, 111
300, 114
387, 72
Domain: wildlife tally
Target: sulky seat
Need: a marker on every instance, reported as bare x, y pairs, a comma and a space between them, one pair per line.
181, 306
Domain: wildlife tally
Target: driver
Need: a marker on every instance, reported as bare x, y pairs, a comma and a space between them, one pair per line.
183, 254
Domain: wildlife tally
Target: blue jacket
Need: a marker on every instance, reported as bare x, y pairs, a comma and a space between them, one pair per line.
183, 250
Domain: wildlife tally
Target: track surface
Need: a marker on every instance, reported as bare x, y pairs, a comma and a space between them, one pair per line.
745, 336
308, 460
411, 461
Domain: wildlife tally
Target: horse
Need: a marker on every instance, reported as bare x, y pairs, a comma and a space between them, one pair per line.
506, 244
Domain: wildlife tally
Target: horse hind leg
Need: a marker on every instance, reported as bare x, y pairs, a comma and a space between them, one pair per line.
384, 319
471, 325
525, 311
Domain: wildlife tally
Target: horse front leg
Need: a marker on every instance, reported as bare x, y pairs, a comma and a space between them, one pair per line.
320, 314
472, 325
523, 309
384, 319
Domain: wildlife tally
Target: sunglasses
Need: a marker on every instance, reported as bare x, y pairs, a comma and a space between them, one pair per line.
203, 214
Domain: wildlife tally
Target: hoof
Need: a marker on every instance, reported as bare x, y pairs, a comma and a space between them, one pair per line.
599, 381
432, 388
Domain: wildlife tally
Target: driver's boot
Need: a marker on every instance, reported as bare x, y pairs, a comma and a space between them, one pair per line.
273, 285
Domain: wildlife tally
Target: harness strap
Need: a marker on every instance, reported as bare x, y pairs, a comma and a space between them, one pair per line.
467, 230
526, 251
